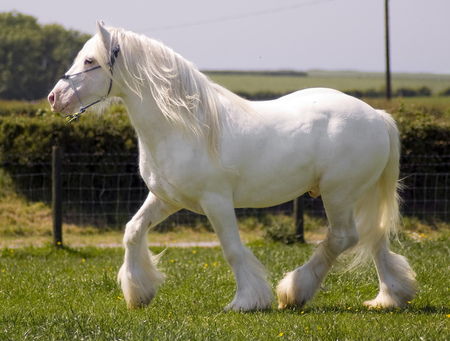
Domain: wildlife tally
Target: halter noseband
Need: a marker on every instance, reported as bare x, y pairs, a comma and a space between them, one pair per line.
74, 117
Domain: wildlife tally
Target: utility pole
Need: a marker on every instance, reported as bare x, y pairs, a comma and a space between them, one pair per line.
388, 61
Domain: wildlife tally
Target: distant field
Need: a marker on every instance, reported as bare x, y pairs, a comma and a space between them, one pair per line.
340, 80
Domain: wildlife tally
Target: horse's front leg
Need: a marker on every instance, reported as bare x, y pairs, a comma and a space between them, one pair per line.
253, 291
138, 275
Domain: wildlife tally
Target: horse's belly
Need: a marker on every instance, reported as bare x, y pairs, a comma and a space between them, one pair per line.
282, 185
268, 199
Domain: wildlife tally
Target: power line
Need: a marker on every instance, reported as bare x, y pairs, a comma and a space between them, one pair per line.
238, 17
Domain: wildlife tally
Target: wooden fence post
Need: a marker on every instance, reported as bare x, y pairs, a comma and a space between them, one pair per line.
298, 219
57, 156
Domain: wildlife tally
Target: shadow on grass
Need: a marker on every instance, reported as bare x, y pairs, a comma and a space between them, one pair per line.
355, 310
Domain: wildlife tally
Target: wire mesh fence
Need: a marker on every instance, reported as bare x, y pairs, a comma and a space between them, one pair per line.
106, 190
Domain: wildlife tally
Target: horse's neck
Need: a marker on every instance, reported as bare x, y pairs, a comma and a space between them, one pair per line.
146, 118
153, 129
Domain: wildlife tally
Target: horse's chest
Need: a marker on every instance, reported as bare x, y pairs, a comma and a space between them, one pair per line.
174, 192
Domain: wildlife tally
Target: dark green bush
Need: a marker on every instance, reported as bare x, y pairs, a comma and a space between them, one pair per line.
445, 92
355, 93
30, 135
406, 92
24, 138
280, 229
373, 93
260, 96
422, 135
424, 91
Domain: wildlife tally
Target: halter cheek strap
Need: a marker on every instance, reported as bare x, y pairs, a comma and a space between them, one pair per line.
112, 60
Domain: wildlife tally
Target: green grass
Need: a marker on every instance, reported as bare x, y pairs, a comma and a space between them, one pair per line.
340, 80
72, 294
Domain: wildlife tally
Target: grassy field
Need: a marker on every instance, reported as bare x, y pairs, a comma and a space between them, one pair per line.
72, 294
340, 80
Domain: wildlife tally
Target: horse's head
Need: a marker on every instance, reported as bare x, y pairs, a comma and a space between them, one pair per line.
89, 80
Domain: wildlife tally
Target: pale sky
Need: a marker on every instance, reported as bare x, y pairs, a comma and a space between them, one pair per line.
271, 34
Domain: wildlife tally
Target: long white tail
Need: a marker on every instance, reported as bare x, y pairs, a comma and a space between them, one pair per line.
377, 216
377, 212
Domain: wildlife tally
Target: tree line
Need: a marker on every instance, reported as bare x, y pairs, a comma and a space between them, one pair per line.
33, 56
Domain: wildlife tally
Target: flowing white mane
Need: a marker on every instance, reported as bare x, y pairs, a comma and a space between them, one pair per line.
184, 95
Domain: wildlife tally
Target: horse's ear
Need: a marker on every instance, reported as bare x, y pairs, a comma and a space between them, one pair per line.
104, 34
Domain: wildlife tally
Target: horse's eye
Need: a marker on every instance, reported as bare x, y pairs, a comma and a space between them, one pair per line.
88, 61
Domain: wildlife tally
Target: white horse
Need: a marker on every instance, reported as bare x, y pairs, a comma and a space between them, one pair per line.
207, 150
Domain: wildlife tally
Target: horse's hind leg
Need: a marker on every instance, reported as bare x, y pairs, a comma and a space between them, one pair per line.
253, 291
397, 282
138, 275
300, 285
376, 215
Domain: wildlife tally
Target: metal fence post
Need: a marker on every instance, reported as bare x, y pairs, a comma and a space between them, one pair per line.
298, 219
57, 156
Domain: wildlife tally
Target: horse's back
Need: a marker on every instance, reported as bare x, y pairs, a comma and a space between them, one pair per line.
310, 92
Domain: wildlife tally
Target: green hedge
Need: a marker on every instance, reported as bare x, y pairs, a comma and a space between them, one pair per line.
28, 137
425, 134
